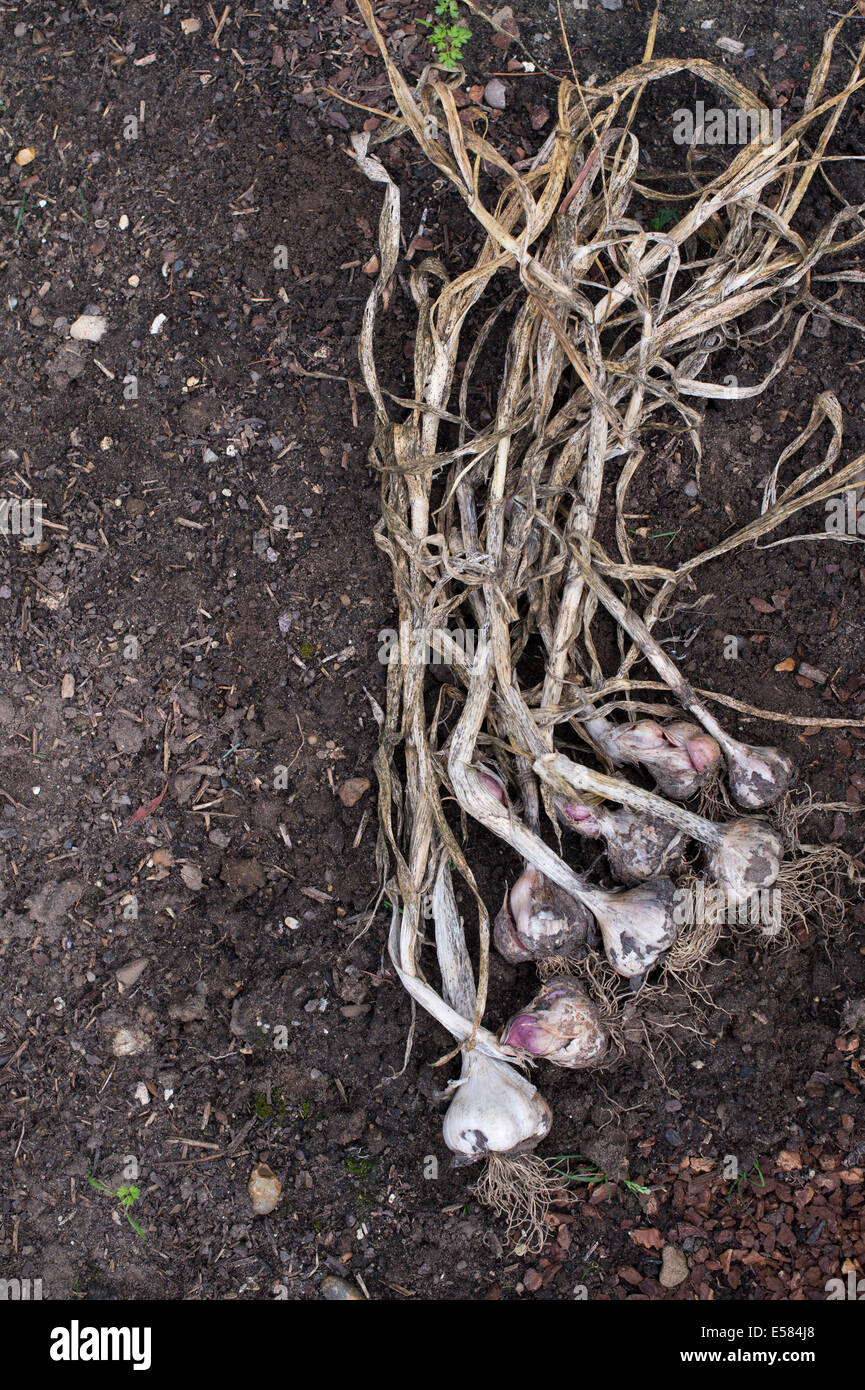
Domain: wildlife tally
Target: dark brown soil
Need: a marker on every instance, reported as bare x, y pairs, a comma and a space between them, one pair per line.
186, 661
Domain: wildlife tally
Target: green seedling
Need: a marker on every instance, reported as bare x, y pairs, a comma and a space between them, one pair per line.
662, 219
660, 535
737, 1189
591, 1174
746, 1178
127, 1196
447, 37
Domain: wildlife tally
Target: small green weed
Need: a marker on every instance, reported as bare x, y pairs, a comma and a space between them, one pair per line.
590, 1173
127, 1196
663, 218
447, 36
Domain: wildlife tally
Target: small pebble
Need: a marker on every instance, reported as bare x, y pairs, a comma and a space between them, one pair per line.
128, 1042
88, 328
264, 1189
674, 1267
336, 1290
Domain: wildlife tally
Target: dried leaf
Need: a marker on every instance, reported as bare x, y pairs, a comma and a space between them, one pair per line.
191, 875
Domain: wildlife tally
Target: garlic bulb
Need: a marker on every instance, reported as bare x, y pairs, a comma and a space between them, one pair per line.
540, 919
680, 757
495, 1110
561, 1024
505, 938
637, 927
745, 859
638, 846
757, 776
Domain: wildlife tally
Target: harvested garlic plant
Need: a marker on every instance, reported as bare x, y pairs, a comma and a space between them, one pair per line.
561, 1024
504, 528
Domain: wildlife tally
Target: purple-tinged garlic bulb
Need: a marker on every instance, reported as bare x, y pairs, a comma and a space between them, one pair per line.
637, 846
562, 1025
539, 919
680, 757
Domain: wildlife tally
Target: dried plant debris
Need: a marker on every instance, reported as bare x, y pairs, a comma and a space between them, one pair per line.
493, 530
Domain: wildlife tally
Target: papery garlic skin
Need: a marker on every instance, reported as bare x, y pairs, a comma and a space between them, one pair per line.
679, 755
758, 776
746, 859
562, 1025
539, 919
494, 1110
638, 845
505, 938
637, 926
547, 920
